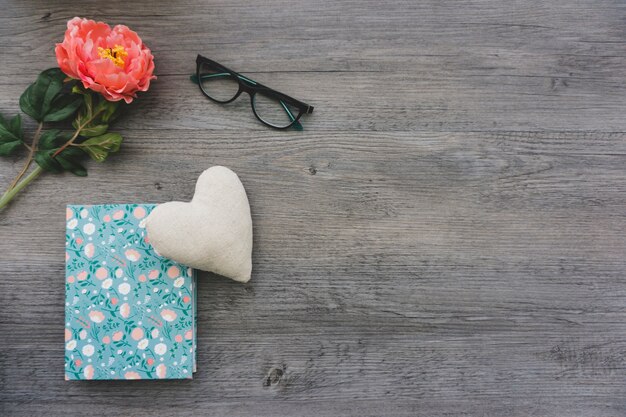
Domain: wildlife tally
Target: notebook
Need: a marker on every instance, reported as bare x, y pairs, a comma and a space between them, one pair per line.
129, 312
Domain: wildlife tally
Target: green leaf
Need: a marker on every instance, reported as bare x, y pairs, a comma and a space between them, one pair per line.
97, 130
8, 130
110, 110
67, 160
50, 139
15, 126
27, 104
46, 99
10, 135
63, 107
45, 160
96, 113
71, 165
73, 152
43, 90
87, 98
80, 119
8, 148
98, 148
53, 88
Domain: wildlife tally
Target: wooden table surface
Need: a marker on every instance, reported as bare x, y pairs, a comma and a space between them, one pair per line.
445, 237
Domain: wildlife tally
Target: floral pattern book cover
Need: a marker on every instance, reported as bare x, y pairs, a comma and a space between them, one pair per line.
129, 313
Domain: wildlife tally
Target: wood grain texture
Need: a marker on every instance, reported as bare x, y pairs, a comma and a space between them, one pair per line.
446, 237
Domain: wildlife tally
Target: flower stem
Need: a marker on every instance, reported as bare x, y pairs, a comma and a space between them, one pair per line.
29, 159
16, 186
75, 135
68, 143
12, 192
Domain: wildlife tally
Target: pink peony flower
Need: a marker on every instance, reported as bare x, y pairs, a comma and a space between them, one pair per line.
88, 371
125, 310
113, 62
132, 255
96, 316
168, 315
139, 212
90, 250
173, 272
137, 333
102, 273
161, 371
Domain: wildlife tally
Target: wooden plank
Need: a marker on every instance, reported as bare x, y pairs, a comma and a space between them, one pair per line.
567, 81
457, 268
524, 68
393, 102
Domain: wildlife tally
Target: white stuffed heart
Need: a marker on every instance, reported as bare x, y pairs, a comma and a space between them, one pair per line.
213, 232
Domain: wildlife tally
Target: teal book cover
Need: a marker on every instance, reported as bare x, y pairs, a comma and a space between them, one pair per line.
129, 313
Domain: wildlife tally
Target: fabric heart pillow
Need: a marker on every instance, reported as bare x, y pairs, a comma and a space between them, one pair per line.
213, 232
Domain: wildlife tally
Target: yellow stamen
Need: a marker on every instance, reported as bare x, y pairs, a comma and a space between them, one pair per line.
115, 54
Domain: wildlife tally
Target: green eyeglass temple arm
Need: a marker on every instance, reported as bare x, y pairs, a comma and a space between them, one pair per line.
296, 125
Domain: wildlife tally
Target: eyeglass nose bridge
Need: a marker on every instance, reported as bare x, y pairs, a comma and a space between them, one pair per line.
251, 92
243, 88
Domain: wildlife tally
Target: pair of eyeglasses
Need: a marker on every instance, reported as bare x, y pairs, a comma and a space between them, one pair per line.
271, 107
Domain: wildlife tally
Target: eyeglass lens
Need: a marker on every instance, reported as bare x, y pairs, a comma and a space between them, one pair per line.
219, 85
274, 111
223, 86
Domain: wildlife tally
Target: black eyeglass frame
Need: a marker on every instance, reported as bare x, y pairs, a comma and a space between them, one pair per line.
252, 87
